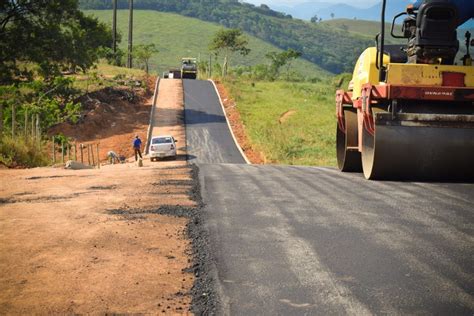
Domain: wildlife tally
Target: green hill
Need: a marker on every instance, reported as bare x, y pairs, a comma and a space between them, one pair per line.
368, 29
372, 28
178, 36
330, 48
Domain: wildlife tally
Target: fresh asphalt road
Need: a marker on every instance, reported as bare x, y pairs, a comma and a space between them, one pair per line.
208, 138
314, 241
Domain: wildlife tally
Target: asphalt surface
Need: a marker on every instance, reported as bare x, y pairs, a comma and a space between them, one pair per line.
207, 134
289, 240
313, 241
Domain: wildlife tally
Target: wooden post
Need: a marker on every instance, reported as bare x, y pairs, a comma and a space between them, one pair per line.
38, 130
114, 27
33, 126
75, 151
88, 155
1, 118
130, 34
26, 124
98, 159
13, 120
210, 66
92, 152
54, 152
82, 153
62, 151
68, 150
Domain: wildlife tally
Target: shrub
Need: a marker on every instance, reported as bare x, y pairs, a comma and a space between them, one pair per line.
21, 153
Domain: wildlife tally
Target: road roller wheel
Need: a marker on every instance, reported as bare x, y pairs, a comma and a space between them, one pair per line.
348, 155
368, 155
397, 152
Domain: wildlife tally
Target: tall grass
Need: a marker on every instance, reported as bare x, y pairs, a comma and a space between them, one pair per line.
305, 137
18, 152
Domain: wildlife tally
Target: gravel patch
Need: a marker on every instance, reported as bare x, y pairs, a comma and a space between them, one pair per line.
204, 293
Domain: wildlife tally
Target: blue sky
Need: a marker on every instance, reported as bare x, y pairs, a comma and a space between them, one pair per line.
359, 3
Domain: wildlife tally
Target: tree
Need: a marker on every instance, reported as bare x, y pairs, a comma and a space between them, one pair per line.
282, 59
290, 56
315, 19
228, 42
332, 15
277, 60
143, 53
53, 35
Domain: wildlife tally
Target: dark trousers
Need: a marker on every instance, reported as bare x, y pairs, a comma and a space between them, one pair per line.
138, 152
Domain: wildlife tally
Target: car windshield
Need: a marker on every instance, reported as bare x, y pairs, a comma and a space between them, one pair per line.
162, 140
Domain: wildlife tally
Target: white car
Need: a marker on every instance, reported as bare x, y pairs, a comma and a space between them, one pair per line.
162, 147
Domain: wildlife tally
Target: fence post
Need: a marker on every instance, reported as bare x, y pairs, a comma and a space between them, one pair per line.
68, 151
33, 126
54, 152
82, 153
13, 120
75, 151
92, 154
1, 118
98, 159
62, 151
38, 130
210, 66
88, 155
26, 124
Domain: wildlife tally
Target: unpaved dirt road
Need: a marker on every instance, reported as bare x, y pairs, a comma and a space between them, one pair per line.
96, 241
313, 241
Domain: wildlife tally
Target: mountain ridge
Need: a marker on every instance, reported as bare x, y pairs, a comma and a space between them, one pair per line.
325, 10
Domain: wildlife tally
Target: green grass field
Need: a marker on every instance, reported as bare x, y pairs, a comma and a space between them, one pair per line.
177, 36
306, 137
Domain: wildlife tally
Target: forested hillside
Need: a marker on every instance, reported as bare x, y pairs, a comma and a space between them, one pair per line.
332, 49
176, 36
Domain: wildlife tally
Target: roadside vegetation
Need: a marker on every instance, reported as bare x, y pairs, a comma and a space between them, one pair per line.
288, 118
49, 52
288, 122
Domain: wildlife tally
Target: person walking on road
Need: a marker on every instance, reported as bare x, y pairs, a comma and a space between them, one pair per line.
137, 145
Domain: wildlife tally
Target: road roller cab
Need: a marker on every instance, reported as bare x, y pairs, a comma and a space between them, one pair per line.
410, 111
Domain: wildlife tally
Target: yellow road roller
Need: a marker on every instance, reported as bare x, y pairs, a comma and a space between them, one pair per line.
408, 113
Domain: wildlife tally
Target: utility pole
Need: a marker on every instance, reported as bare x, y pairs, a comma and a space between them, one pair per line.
114, 27
130, 34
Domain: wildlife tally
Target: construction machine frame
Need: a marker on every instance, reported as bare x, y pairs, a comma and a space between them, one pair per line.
409, 111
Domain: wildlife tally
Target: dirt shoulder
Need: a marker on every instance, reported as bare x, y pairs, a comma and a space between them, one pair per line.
169, 116
96, 241
238, 127
112, 117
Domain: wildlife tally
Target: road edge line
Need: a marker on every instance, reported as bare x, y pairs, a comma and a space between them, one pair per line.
228, 123
152, 114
